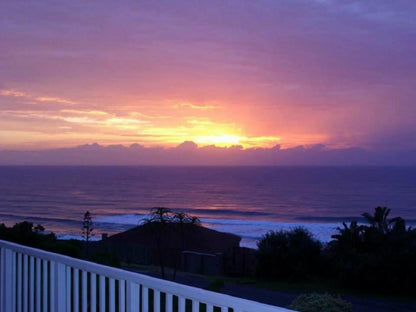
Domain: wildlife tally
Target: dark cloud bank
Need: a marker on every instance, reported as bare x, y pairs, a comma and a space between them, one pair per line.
188, 153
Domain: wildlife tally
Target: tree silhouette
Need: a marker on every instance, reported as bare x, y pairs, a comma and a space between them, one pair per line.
159, 218
379, 220
377, 255
292, 254
183, 218
160, 215
349, 237
87, 229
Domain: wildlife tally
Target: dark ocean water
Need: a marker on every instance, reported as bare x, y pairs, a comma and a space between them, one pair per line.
248, 201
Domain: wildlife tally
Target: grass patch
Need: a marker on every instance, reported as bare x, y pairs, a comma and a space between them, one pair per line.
216, 285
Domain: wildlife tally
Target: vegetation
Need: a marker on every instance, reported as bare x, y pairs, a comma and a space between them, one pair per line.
87, 226
26, 234
288, 254
320, 303
158, 219
108, 259
216, 285
159, 216
87, 230
379, 257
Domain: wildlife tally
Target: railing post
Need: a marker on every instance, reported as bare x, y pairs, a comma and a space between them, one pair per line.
8, 281
60, 286
25, 282
38, 297
181, 304
2, 270
133, 293
101, 293
169, 302
145, 298
93, 292
122, 295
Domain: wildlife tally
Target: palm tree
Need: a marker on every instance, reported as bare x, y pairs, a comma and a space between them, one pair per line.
349, 237
380, 221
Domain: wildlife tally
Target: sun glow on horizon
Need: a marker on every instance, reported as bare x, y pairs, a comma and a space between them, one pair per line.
219, 140
166, 125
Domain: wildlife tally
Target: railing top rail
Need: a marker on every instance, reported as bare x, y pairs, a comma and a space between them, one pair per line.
148, 281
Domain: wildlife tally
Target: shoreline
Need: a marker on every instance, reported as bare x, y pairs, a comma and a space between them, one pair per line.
250, 231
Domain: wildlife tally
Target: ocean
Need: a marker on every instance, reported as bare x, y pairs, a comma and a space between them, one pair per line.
247, 201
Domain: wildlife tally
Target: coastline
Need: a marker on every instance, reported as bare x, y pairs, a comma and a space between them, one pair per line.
250, 231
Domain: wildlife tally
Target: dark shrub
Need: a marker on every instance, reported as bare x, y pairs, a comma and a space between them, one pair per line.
379, 257
106, 259
320, 303
72, 248
290, 254
26, 234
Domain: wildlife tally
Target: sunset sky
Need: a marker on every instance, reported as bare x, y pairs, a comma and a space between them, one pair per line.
249, 73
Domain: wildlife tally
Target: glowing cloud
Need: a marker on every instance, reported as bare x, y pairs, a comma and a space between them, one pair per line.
197, 107
219, 140
14, 93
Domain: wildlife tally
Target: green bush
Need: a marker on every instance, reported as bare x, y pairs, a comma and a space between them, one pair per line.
108, 259
380, 256
25, 233
215, 285
293, 254
72, 248
320, 303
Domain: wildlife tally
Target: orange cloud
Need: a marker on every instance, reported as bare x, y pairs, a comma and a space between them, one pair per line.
15, 93
197, 107
54, 99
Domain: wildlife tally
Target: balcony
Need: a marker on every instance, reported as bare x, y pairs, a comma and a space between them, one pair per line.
36, 280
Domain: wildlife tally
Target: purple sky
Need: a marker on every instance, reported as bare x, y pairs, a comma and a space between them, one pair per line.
249, 73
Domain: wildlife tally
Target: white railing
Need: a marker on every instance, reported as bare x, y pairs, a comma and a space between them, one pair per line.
36, 280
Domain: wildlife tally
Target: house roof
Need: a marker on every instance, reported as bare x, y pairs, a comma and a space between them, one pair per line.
179, 236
